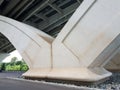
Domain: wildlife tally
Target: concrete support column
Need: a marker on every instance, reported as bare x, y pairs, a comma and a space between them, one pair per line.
33, 45
87, 42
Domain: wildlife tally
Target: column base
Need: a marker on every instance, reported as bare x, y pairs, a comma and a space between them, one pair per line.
37, 73
75, 74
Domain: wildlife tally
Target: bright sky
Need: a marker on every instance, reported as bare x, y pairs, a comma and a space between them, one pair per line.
12, 54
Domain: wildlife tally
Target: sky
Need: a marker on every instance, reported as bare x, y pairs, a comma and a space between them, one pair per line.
12, 54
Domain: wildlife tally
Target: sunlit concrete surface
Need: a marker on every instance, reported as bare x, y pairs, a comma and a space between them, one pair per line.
89, 40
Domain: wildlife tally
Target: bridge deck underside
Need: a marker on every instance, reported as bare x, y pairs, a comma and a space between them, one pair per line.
47, 15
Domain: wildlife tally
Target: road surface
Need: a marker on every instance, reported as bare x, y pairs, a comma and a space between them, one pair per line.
12, 84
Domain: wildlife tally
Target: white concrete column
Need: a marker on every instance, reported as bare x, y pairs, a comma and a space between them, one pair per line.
87, 41
33, 45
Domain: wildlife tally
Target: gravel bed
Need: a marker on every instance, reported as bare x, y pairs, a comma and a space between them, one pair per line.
113, 83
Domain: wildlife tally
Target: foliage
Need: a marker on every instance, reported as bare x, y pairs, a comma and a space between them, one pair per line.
14, 65
13, 60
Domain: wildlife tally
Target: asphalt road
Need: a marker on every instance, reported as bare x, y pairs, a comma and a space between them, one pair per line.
10, 84
6, 74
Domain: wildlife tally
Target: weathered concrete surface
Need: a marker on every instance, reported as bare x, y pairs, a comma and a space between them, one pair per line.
89, 40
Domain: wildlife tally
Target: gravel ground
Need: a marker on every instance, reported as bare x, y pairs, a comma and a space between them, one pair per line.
113, 83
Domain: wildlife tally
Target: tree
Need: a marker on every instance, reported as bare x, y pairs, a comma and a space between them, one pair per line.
24, 67
13, 60
18, 63
3, 65
14, 65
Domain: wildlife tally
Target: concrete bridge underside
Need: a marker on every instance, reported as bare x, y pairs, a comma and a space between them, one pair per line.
88, 42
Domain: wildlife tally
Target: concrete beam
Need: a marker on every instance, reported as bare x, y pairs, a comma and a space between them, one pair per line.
58, 23
79, 1
42, 17
66, 1
6, 47
53, 19
22, 3
1, 1
10, 50
55, 8
19, 13
10, 6
35, 10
